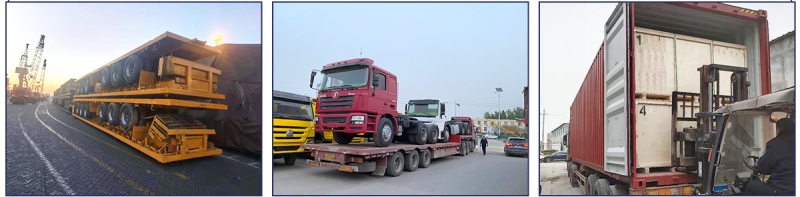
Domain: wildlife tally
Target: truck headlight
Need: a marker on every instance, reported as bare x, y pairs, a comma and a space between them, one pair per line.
357, 119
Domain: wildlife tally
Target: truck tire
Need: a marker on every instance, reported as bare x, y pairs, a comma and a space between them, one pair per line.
461, 151
590, 181
385, 133
128, 117
425, 158
602, 187
471, 147
133, 66
105, 78
88, 110
116, 74
394, 164
573, 179
433, 134
113, 114
102, 113
446, 134
411, 161
421, 137
343, 138
289, 159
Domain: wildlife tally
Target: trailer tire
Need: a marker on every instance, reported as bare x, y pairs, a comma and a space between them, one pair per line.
133, 66
573, 179
433, 134
411, 161
602, 187
394, 164
128, 117
384, 133
590, 181
113, 114
471, 147
105, 77
289, 159
461, 151
116, 74
89, 113
343, 138
102, 114
425, 158
421, 137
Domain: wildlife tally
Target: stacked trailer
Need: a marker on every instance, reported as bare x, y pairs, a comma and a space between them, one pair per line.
62, 97
136, 98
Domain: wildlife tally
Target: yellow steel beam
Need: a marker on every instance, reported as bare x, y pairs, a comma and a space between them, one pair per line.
155, 91
157, 102
160, 157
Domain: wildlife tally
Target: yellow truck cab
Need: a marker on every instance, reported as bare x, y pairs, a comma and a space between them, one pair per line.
292, 125
327, 136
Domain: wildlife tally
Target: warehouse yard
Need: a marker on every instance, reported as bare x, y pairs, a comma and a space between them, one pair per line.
49, 152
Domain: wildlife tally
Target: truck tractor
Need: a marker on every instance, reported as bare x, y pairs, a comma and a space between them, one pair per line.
356, 96
293, 123
434, 111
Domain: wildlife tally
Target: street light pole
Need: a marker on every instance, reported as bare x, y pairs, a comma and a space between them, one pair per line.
498, 91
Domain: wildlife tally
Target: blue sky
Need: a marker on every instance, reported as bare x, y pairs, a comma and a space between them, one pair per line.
80, 37
453, 51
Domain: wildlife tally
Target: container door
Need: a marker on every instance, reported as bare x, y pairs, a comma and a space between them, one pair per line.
616, 92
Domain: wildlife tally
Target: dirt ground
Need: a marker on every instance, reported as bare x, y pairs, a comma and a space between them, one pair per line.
554, 179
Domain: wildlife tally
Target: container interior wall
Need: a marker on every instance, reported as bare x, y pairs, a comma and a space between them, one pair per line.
586, 118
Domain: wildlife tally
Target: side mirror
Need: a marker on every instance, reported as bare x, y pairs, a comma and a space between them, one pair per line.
311, 83
406, 109
564, 140
375, 77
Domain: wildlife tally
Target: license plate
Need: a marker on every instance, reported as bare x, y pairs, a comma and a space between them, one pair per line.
330, 156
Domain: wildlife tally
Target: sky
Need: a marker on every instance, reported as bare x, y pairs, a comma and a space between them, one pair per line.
81, 37
456, 51
577, 49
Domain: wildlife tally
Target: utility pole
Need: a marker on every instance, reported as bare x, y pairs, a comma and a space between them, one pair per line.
541, 142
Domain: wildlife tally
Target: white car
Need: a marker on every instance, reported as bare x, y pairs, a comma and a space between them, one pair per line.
541, 156
491, 136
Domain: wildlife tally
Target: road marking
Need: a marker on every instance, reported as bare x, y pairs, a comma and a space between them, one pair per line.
106, 143
231, 158
97, 161
59, 179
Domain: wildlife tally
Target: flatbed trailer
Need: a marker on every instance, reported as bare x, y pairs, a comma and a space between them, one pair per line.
391, 160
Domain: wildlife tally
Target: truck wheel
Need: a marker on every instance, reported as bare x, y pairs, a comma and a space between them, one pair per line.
424, 158
446, 134
128, 117
394, 164
466, 148
411, 161
591, 190
385, 133
113, 114
289, 159
471, 147
462, 149
105, 79
421, 136
433, 134
88, 109
602, 187
116, 74
102, 112
133, 66
573, 179
343, 138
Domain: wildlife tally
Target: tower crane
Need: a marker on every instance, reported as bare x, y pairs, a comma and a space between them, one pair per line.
37, 57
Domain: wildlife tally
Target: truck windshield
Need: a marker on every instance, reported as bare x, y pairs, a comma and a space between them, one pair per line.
423, 110
347, 77
295, 110
746, 134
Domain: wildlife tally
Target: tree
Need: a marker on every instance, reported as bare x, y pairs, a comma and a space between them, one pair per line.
510, 114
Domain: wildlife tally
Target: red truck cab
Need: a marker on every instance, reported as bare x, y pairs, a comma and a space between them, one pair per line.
355, 97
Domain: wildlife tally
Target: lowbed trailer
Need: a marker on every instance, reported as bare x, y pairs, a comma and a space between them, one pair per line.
136, 98
391, 160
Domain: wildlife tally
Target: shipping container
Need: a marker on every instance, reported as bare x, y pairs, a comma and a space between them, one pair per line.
620, 119
782, 61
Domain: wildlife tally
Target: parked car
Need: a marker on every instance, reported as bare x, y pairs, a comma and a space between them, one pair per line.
557, 156
516, 146
541, 156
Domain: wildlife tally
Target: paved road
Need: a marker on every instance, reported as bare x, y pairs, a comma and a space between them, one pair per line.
474, 174
51, 153
555, 181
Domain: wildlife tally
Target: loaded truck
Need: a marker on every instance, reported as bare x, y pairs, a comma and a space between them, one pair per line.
62, 97
661, 96
356, 96
293, 125
136, 98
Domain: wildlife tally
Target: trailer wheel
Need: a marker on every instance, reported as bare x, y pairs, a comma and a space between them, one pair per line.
591, 190
433, 134
385, 133
105, 77
343, 138
133, 66
425, 158
461, 151
128, 117
116, 74
394, 164
573, 179
102, 114
421, 136
471, 147
113, 114
88, 111
289, 159
411, 161
602, 187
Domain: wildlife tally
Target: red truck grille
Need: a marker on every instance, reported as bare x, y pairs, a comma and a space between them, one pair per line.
334, 120
343, 102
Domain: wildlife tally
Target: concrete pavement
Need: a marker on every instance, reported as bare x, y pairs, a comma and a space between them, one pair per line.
555, 180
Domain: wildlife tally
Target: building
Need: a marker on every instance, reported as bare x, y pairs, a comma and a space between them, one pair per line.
481, 124
556, 136
781, 61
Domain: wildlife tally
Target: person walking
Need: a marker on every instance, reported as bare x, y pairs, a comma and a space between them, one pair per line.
484, 143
